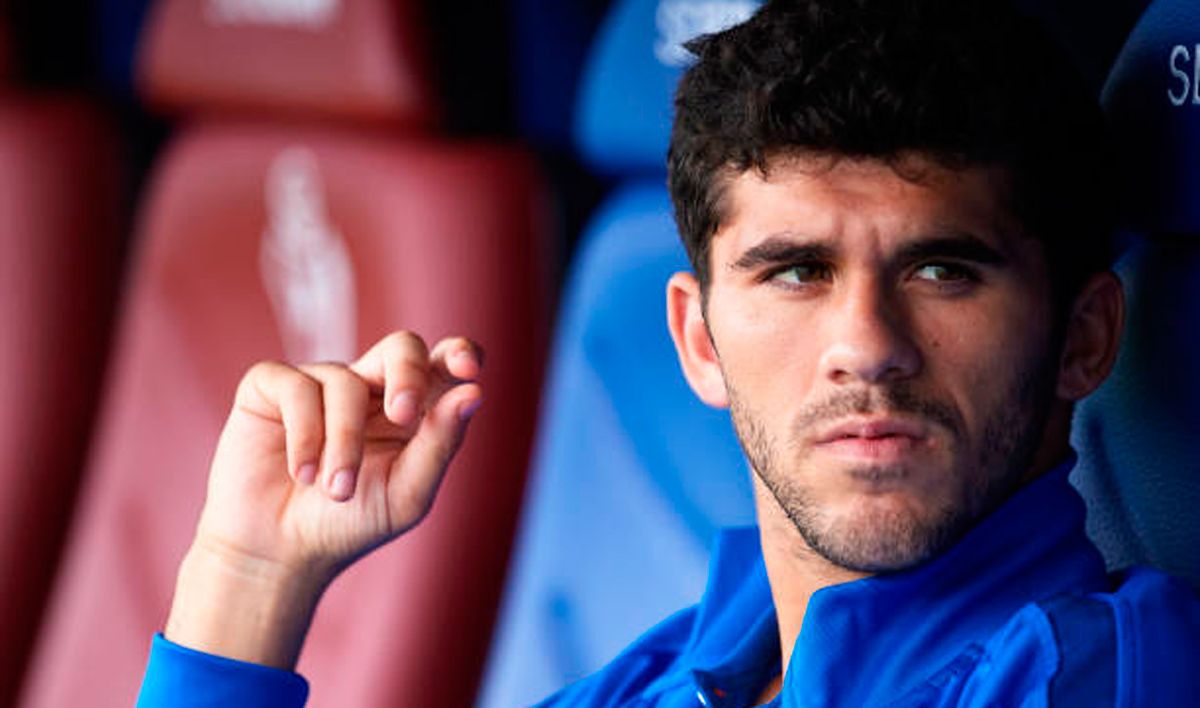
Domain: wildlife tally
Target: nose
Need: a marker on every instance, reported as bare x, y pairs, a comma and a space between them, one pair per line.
870, 338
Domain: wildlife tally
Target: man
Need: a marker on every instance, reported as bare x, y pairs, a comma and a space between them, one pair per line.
894, 216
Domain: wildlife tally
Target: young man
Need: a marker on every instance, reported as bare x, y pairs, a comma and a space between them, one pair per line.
900, 288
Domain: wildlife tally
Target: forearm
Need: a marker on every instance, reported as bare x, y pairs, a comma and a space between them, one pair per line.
242, 608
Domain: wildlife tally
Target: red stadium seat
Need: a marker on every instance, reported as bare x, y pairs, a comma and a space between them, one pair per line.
59, 257
357, 59
274, 238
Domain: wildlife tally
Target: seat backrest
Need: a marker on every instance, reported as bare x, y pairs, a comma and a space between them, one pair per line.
60, 255
1139, 451
631, 476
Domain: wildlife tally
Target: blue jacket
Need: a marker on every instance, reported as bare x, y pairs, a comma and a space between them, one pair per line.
1020, 612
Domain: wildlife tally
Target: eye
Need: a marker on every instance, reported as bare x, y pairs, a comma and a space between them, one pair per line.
799, 274
945, 273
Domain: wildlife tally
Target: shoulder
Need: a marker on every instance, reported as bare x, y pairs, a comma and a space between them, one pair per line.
1137, 645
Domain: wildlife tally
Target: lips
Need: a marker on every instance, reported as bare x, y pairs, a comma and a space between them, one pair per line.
874, 429
875, 440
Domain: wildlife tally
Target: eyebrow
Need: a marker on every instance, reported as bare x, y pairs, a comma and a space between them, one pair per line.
782, 249
786, 248
959, 246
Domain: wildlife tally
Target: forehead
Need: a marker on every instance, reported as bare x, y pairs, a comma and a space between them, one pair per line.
847, 202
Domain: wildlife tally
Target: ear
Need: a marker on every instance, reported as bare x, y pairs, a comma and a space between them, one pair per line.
1092, 337
693, 343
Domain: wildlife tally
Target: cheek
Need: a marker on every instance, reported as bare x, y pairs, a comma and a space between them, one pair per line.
768, 361
979, 356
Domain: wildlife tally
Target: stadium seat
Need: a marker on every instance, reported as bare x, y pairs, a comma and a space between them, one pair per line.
296, 222
361, 60
118, 24
1091, 34
1140, 460
623, 118
632, 475
60, 254
550, 40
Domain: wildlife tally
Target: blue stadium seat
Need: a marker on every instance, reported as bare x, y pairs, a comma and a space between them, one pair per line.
632, 474
550, 40
623, 119
118, 25
1140, 453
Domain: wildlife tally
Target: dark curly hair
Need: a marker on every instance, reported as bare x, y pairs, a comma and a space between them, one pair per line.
963, 82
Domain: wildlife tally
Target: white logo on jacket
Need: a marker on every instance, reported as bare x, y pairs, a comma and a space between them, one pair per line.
682, 20
306, 267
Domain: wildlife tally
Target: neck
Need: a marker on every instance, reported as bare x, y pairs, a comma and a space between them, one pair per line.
794, 570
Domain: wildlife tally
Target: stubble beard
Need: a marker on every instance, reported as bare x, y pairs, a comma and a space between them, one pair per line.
892, 539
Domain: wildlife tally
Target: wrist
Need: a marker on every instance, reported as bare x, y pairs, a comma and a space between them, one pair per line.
242, 607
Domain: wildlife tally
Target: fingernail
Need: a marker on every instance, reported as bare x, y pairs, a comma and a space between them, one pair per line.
404, 406
466, 410
342, 487
468, 357
307, 474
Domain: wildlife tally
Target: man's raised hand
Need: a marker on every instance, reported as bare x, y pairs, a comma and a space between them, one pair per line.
317, 465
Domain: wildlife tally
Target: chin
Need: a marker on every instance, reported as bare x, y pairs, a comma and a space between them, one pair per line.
879, 533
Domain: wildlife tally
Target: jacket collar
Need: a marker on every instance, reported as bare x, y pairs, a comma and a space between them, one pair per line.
897, 628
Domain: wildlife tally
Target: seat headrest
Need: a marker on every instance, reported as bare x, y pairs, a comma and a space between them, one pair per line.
357, 59
623, 117
550, 42
1152, 99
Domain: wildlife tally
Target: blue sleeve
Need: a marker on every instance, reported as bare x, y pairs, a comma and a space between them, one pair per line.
179, 677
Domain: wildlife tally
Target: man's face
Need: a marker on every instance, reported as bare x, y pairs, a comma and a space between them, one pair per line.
886, 349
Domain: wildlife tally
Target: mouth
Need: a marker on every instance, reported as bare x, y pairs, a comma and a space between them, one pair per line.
879, 440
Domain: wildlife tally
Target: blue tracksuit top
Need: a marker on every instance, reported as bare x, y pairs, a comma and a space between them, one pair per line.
1020, 612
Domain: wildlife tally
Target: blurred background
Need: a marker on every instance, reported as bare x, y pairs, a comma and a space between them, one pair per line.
190, 186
